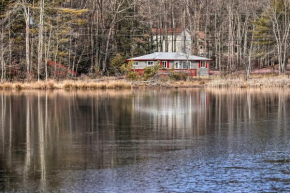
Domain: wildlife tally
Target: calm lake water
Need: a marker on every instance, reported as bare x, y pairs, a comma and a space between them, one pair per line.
192, 140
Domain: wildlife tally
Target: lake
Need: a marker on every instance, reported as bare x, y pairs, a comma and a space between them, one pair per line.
191, 140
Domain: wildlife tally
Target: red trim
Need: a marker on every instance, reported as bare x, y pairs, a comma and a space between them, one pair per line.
128, 60
161, 64
206, 65
167, 64
199, 65
192, 72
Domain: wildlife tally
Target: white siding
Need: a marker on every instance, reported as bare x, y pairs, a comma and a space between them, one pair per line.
175, 43
203, 72
171, 65
194, 65
141, 65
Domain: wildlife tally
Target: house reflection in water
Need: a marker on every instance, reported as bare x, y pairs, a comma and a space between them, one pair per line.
179, 111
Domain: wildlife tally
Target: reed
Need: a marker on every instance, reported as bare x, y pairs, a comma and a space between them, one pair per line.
6, 86
18, 86
109, 84
263, 81
118, 85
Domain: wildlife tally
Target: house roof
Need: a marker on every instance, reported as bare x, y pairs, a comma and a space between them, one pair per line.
168, 56
169, 31
200, 35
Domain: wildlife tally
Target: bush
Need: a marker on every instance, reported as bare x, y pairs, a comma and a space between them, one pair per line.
151, 71
18, 87
117, 61
127, 68
133, 75
177, 76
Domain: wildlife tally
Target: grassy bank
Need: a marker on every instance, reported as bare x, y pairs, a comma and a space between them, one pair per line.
254, 82
211, 82
68, 85
100, 84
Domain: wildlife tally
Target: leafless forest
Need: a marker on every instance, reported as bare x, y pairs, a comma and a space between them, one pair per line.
56, 39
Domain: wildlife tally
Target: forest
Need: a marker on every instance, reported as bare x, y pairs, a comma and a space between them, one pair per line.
56, 39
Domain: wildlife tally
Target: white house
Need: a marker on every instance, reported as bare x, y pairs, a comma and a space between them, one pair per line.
179, 40
171, 40
195, 65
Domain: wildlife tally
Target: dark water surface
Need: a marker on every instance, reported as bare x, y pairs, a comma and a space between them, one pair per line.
145, 141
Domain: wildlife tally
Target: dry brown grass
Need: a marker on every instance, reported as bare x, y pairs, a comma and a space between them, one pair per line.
106, 84
6, 86
193, 83
68, 85
254, 82
110, 84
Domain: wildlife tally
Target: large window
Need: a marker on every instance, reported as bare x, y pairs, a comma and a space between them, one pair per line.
149, 63
182, 65
203, 64
136, 64
185, 65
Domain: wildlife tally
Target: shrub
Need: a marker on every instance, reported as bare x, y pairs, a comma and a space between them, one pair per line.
133, 75
18, 87
50, 85
151, 71
67, 85
126, 68
117, 61
177, 76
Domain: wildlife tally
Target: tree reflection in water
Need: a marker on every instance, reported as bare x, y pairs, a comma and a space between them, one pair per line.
46, 133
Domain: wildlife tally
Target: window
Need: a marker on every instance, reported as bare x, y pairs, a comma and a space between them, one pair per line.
149, 63
176, 65
136, 63
202, 64
164, 64
185, 65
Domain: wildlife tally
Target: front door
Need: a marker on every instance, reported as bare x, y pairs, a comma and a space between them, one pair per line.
164, 64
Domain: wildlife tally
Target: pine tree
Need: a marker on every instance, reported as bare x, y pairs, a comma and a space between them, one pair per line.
272, 32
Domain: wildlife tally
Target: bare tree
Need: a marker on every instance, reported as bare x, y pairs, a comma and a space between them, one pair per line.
40, 38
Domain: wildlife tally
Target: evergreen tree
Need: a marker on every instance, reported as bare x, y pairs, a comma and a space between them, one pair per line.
272, 32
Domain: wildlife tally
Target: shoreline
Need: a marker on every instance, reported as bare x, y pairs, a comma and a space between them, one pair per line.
110, 84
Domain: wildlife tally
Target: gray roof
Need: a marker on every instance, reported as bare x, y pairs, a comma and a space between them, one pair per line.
168, 56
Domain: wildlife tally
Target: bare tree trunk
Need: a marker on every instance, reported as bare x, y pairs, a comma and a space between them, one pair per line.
230, 39
104, 67
27, 45
47, 52
215, 40
206, 30
10, 44
249, 66
40, 38
2, 56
